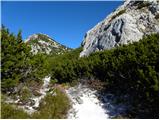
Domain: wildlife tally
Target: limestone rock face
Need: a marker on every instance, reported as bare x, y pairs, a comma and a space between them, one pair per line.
128, 23
44, 44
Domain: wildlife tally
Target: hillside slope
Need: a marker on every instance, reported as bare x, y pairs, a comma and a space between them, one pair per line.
128, 23
44, 44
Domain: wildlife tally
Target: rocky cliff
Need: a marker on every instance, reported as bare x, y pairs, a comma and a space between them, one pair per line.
128, 23
44, 44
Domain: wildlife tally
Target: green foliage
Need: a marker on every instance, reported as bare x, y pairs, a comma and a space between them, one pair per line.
129, 69
13, 59
53, 106
143, 4
25, 93
39, 67
53, 81
133, 69
63, 66
19, 37
12, 112
33, 41
118, 14
17, 63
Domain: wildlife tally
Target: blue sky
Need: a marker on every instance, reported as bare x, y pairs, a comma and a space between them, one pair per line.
66, 22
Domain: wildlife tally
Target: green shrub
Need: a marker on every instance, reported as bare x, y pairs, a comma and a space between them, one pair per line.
25, 93
143, 4
18, 64
118, 14
131, 69
53, 81
12, 112
53, 106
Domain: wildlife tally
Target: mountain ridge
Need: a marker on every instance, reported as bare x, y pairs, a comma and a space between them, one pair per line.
43, 43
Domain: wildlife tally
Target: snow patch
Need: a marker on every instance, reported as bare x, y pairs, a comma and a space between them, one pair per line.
88, 105
32, 108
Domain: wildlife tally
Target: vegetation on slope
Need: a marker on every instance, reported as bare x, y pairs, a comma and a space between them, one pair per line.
127, 70
18, 64
118, 14
53, 106
21, 75
9, 111
12, 112
130, 69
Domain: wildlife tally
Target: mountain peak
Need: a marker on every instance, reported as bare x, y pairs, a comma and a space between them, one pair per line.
38, 36
42, 43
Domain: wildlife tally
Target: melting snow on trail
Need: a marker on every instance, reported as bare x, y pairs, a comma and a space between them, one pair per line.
37, 99
86, 104
32, 108
43, 91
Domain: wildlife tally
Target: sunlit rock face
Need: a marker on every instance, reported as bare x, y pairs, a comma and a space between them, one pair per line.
42, 43
128, 23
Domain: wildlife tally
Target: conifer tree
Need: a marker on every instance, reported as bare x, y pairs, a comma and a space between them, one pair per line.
19, 36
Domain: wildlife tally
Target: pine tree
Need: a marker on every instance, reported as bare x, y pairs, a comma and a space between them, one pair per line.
19, 37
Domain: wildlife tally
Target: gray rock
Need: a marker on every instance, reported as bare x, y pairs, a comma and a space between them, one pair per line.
79, 100
31, 102
125, 25
35, 108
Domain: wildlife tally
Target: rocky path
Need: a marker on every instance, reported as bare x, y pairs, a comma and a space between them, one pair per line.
87, 104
